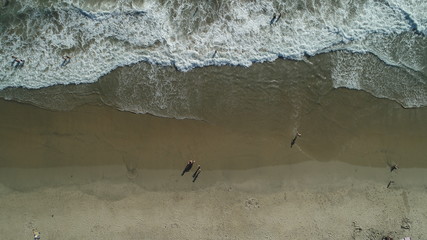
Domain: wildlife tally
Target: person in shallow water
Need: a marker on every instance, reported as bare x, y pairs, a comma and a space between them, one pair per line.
295, 138
280, 14
19, 62
67, 60
15, 59
273, 19
188, 167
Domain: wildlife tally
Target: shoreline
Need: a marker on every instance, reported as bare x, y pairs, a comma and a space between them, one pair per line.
345, 125
99, 173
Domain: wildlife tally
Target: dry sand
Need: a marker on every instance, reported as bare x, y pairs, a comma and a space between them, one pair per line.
97, 173
309, 200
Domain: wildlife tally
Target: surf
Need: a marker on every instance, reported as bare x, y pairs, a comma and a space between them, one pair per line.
187, 35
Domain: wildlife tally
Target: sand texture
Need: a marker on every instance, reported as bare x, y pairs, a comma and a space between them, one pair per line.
98, 173
309, 200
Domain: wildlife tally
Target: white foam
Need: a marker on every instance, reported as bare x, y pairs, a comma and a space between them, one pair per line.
187, 36
416, 9
363, 73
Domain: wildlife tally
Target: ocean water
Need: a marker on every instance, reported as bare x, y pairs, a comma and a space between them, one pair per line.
212, 59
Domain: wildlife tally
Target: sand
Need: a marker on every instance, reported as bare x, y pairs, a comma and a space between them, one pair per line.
345, 126
309, 200
98, 173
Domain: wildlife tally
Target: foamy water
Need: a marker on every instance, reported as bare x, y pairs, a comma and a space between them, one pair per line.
102, 35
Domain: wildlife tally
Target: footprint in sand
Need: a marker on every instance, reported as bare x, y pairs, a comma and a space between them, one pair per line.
174, 225
251, 203
406, 224
131, 169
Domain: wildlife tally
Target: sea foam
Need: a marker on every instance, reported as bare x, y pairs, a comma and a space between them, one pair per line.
102, 37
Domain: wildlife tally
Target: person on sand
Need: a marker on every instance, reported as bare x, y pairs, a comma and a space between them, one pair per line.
295, 138
196, 174
188, 167
36, 235
393, 167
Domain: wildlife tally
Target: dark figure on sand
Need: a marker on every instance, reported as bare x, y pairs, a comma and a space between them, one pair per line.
196, 174
295, 138
36, 234
67, 60
389, 184
393, 167
188, 167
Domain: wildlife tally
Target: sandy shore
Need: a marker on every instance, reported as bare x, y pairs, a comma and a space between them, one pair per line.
345, 126
309, 200
98, 173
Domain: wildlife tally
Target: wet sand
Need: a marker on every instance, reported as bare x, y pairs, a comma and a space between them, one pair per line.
346, 126
98, 173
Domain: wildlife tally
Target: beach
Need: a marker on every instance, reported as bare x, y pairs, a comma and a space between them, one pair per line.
95, 172
306, 118
299, 201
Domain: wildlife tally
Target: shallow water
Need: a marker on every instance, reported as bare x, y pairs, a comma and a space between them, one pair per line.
379, 47
219, 66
